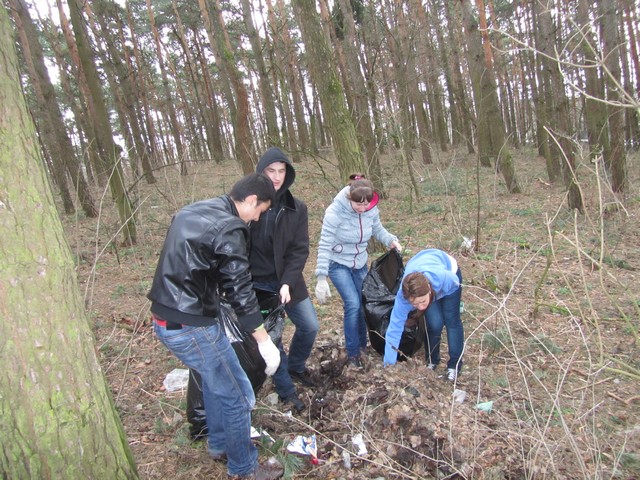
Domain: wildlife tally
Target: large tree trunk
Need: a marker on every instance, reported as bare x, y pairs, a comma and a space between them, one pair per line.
561, 146
214, 134
351, 46
277, 25
404, 58
595, 112
59, 143
615, 97
103, 129
295, 86
143, 91
57, 418
266, 92
491, 137
460, 101
225, 59
325, 76
168, 104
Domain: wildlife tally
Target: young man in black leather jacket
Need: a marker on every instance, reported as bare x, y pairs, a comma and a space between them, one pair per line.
205, 254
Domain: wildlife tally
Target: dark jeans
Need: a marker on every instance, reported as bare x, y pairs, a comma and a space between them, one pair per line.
304, 318
445, 313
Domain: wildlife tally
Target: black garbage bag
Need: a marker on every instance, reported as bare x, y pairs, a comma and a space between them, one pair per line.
378, 294
273, 313
196, 415
246, 349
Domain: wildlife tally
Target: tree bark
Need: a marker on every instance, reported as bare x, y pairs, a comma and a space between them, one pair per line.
225, 58
611, 53
595, 112
168, 104
57, 418
266, 92
45, 107
325, 76
350, 47
103, 129
491, 137
460, 100
560, 125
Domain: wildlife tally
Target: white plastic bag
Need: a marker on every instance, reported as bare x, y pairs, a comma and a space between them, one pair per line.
176, 379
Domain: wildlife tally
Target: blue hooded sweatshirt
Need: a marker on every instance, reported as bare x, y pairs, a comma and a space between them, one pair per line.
440, 269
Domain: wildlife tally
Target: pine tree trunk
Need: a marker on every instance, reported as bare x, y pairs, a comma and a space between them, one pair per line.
103, 129
560, 124
170, 109
595, 112
491, 137
325, 76
461, 101
295, 86
266, 92
60, 145
611, 40
57, 418
226, 59
351, 46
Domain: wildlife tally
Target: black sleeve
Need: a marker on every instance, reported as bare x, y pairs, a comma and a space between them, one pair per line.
231, 247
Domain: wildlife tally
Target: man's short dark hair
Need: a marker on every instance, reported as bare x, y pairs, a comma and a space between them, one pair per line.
254, 184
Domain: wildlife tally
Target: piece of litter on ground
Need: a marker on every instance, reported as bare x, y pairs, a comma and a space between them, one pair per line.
262, 433
176, 379
459, 396
304, 446
358, 442
485, 406
346, 459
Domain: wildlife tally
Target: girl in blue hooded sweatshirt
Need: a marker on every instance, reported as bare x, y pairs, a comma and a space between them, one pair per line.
348, 225
432, 286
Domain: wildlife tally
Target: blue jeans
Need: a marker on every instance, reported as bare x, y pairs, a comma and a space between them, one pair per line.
445, 313
348, 282
226, 391
304, 318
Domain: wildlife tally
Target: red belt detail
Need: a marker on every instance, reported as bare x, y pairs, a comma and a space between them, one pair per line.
162, 323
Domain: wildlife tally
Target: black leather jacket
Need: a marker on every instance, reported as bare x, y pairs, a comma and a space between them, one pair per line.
205, 255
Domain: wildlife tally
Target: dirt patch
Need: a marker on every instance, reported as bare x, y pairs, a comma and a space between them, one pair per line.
551, 327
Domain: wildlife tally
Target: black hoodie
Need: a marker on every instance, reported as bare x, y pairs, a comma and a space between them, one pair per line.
280, 239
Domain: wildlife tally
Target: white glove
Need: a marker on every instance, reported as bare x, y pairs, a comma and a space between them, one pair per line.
322, 290
270, 354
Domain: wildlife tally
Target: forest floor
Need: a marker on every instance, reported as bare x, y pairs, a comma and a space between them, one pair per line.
551, 325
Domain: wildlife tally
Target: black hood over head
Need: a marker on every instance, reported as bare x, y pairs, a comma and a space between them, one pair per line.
275, 154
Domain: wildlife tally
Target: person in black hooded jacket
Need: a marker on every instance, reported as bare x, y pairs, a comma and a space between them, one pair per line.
279, 251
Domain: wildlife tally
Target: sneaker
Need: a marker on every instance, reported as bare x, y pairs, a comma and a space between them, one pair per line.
354, 362
295, 403
432, 366
270, 470
452, 374
303, 378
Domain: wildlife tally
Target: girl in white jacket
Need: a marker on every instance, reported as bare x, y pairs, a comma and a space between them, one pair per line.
348, 225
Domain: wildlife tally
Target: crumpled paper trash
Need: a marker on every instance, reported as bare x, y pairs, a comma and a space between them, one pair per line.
304, 446
262, 433
358, 442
